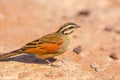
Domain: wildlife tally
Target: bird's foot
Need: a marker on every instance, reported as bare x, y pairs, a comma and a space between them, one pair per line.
51, 64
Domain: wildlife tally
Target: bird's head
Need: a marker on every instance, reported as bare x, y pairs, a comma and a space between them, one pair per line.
68, 28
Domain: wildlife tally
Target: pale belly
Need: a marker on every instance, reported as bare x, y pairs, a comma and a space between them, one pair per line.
65, 45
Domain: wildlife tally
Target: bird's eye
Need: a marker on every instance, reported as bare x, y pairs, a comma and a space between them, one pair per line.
68, 30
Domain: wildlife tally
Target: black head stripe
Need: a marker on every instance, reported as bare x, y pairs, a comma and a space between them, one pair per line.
67, 25
67, 29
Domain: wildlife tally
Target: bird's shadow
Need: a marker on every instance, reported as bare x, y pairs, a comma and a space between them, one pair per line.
29, 58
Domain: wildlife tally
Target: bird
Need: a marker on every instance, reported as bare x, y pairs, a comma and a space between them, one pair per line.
47, 46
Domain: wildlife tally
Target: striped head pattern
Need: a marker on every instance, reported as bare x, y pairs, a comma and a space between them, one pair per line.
68, 28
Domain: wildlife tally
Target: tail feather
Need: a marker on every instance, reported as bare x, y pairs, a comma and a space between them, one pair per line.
9, 55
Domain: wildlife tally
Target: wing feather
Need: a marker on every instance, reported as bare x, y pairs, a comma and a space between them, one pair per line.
49, 43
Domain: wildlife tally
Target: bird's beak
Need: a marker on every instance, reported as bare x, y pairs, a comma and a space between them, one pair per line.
78, 26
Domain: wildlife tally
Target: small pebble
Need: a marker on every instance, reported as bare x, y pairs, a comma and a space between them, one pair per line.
117, 31
102, 49
84, 13
114, 56
108, 28
96, 67
74, 36
77, 49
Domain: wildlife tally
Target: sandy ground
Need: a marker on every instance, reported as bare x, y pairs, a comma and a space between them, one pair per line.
22, 21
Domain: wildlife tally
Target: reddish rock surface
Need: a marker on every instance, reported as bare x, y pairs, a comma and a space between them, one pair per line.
22, 21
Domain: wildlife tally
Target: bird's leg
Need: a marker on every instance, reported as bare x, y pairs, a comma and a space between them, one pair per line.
50, 62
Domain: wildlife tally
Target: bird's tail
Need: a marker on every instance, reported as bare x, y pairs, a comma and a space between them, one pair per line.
10, 54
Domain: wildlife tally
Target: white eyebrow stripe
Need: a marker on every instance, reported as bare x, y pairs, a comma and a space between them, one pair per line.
68, 31
66, 28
